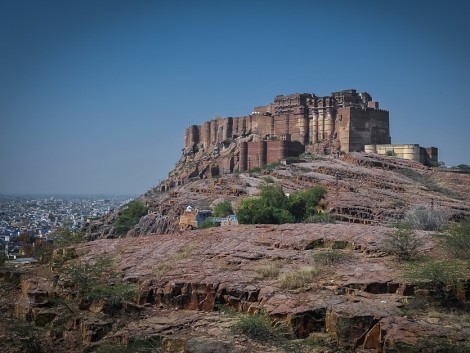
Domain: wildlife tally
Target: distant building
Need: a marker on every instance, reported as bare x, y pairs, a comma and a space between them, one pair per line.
230, 220
414, 152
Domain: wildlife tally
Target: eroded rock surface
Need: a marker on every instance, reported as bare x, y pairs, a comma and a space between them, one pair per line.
362, 188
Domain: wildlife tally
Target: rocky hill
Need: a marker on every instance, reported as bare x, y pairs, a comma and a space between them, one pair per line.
255, 288
362, 188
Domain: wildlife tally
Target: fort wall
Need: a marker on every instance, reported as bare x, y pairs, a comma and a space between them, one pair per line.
366, 126
344, 121
412, 152
277, 150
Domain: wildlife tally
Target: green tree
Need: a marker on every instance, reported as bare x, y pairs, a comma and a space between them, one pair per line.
248, 209
457, 239
313, 197
303, 204
402, 243
129, 216
297, 206
272, 195
64, 237
208, 223
464, 166
274, 207
223, 209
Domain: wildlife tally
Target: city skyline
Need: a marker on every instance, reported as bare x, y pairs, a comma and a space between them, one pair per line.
95, 95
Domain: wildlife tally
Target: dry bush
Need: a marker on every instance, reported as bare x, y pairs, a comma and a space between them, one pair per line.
426, 218
402, 243
269, 271
298, 278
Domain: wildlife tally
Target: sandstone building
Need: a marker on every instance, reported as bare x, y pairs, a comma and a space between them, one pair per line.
414, 152
343, 121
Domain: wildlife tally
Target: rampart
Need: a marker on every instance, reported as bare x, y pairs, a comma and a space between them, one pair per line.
414, 152
343, 121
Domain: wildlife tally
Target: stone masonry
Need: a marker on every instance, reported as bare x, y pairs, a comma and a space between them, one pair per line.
344, 121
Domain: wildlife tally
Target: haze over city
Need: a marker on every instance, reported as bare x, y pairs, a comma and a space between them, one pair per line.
95, 95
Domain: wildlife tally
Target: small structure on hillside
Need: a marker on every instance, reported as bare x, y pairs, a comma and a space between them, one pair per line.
230, 220
192, 218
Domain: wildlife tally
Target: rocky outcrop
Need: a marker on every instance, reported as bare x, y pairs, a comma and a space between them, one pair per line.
362, 188
188, 282
202, 271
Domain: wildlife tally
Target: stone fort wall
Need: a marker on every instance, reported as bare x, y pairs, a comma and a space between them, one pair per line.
344, 121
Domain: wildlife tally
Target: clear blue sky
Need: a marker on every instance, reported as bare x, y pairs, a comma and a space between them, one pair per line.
95, 95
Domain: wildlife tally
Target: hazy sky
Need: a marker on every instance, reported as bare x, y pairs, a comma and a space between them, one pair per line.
95, 95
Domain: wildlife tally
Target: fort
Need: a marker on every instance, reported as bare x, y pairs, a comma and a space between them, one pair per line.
345, 121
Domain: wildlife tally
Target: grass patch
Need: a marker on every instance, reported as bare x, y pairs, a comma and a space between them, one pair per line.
456, 240
427, 181
185, 251
268, 179
97, 281
321, 218
258, 327
270, 271
330, 257
161, 269
297, 279
442, 279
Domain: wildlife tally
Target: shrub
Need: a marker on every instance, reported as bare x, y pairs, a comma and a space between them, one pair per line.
304, 203
223, 209
457, 239
312, 198
321, 218
41, 250
329, 257
64, 237
402, 243
274, 207
390, 153
129, 216
269, 271
425, 218
439, 277
259, 211
268, 179
297, 279
272, 195
89, 283
208, 223
464, 166
257, 327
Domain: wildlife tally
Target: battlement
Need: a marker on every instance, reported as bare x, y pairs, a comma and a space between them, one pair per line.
345, 120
